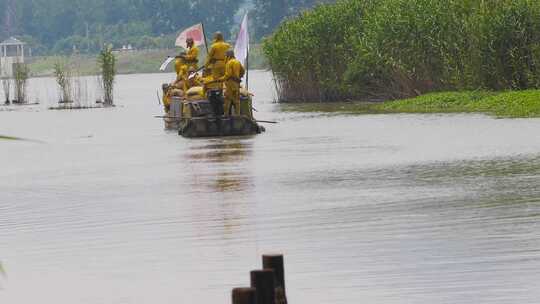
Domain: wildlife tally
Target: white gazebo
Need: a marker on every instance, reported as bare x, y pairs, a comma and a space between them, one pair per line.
11, 52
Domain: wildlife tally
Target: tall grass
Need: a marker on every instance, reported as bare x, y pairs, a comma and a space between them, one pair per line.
107, 64
6, 86
21, 73
64, 79
309, 55
387, 49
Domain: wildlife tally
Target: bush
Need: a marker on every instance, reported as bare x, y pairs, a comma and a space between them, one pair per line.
309, 55
64, 79
387, 49
21, 73
107, 64
508, 50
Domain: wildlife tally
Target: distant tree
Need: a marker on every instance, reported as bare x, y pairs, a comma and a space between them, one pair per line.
270, 13
57, 25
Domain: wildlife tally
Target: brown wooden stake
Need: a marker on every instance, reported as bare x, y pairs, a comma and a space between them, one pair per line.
244, 296
275, 263
264, 282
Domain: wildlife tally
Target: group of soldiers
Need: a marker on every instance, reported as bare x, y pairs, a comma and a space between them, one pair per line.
221, 67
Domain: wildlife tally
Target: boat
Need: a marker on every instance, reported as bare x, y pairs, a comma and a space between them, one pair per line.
193, 116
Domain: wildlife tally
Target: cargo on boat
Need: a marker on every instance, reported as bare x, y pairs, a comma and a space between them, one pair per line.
194, 116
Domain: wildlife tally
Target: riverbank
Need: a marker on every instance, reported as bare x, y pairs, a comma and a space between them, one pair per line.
510, 104
515, 104
145, 61
132, 62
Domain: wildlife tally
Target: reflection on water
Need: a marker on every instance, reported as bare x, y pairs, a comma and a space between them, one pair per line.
227, 157
226, 151
384, 209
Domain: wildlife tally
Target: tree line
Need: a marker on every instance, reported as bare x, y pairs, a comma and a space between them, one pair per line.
59, 26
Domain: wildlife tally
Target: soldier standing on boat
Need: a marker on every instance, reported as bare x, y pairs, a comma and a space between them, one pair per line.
216, 56
234, 71
192, 56
216, 62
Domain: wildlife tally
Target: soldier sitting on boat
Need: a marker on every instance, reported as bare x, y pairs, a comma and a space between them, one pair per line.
180, 66
193, 79
222, 69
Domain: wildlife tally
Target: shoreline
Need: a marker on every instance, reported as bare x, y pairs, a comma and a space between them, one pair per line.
504, 104
127, 63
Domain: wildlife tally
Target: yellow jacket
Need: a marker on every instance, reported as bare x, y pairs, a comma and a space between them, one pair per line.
210, 84
233, 71
192, 56
217, 52
180, 67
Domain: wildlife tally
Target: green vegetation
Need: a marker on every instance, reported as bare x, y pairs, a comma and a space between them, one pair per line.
107, 64
268, 14
63, 75
257, 60
512, 104
53, 27
6, 86
56, 26
146, 61
2, 137
21, 73
501, 104
127, 62
308, 54
391, 49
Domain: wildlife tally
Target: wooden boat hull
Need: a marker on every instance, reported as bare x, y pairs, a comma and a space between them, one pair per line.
216, 127
196, 119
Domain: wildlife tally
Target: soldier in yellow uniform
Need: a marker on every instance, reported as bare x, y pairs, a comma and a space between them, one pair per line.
234, 71
180, 66
166, 99
216, 56
193, 79
192, 56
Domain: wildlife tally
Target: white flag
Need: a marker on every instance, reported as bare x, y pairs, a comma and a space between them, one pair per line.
195, 32
241, 49
164, 65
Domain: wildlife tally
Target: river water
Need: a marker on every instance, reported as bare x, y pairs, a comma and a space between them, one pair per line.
107, 207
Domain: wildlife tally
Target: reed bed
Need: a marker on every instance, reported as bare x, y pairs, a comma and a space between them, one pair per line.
390, 49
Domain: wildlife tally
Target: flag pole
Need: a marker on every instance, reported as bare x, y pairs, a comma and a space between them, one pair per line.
247, 52
204, 35
247, 67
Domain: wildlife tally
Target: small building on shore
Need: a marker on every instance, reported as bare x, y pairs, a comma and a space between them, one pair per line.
11, 52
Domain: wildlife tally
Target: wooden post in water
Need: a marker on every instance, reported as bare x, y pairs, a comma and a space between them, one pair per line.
264, 282
244, 296
275, 263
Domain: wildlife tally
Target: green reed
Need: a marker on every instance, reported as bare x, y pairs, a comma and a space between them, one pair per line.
64, 79
387, 49
107, 64
21, 73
